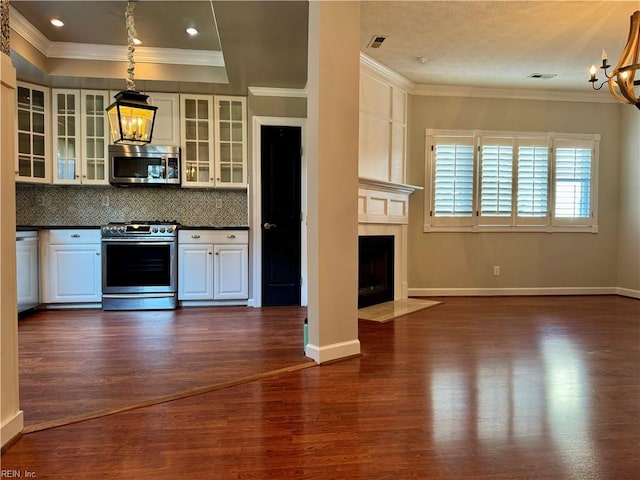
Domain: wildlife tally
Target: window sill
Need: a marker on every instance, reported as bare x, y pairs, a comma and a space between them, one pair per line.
509, 229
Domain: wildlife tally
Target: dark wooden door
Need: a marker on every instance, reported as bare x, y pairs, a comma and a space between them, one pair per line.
281, 215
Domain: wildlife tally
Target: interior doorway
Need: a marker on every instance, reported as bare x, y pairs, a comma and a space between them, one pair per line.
279, 212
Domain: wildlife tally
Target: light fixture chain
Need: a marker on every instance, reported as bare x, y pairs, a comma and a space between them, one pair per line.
131, 34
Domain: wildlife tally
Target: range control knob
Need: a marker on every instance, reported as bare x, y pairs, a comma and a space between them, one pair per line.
161, 229
154, 229
121, 229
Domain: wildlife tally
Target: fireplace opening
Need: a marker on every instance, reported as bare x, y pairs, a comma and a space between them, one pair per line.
375, 269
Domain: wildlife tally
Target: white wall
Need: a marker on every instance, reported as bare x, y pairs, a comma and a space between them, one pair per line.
527, 260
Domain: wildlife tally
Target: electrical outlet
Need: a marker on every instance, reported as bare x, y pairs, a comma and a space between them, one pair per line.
496, 270
105, 200
40, 200
218, 203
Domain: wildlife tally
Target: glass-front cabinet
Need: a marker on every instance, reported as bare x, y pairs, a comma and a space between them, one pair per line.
95, 137
32, 160
197, 140
66, 135
231, 141
80, 137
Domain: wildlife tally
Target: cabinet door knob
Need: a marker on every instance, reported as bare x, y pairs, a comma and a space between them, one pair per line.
269, 226
98, 254
195, 236
232, 235
209, 253
75, 235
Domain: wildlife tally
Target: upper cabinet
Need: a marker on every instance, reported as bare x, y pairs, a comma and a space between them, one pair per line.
197, 140
34, 138
231, 141
66, 131
383, 119
214, 141
80, 137
166, 130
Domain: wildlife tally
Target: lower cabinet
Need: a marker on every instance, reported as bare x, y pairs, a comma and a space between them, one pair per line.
72, 266
27, 270
213, 265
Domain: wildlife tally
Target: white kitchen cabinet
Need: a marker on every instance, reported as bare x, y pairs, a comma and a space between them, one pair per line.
230, 270
213, 266
231, 141
195, 272
166, 130
80, 137
33, 159
27, 270
72, 266
196, 140
94, 134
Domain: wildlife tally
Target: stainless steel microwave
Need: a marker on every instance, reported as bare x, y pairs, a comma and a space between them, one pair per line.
141, 165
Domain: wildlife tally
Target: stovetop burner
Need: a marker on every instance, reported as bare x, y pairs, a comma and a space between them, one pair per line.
161, 229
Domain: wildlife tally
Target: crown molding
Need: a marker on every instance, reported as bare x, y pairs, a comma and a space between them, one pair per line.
26, 30
113, 53
368, 63
118, 53
278, 92
510, 93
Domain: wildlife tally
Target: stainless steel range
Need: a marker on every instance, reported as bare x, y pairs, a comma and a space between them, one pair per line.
139, 265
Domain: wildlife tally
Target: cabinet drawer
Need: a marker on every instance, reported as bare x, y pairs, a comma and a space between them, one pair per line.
73, 236
215, 237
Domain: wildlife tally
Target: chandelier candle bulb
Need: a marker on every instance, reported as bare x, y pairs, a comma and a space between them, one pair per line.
593, 73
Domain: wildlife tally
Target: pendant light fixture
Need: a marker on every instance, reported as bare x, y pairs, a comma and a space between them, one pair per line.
131, 118
624, 81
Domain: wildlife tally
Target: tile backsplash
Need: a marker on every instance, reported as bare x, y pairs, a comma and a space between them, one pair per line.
52, 205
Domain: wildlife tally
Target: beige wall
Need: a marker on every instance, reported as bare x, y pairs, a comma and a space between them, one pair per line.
332, 146
629, 217
527, 260
10, 415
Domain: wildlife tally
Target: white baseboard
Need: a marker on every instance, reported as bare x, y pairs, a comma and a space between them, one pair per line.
627, 292
11, 428
498, 292
335, 351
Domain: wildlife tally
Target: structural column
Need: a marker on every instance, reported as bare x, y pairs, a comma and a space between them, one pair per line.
11, 422
332, 159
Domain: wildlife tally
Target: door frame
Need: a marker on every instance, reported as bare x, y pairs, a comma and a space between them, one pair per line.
255, 200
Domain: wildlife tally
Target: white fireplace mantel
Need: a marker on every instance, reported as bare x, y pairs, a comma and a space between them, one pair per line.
383, 202
383, 209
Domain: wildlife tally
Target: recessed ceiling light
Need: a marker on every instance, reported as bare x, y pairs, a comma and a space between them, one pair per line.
137, 41
421, 59
192, 31
56, 22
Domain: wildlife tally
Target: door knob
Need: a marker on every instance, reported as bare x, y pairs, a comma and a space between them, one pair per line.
269, 226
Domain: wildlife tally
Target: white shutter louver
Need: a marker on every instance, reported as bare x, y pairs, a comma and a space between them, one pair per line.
533, 173
496, 178
453, 179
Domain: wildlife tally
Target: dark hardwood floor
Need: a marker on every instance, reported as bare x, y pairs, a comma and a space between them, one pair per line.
77, 364
482, 388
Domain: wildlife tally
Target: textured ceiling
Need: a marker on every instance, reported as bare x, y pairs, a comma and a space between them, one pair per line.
497, 43
467, 43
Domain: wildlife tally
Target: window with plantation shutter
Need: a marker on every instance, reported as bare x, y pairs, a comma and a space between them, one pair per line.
453, 160
496, 181
572, 203
533, 174
511, 181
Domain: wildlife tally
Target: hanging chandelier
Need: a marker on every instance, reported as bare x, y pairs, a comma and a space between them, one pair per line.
624, 81
131, 119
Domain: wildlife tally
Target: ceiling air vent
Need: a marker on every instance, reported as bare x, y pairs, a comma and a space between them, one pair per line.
376, 41
543, 76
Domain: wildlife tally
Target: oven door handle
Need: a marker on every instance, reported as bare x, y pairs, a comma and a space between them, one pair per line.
135, 241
